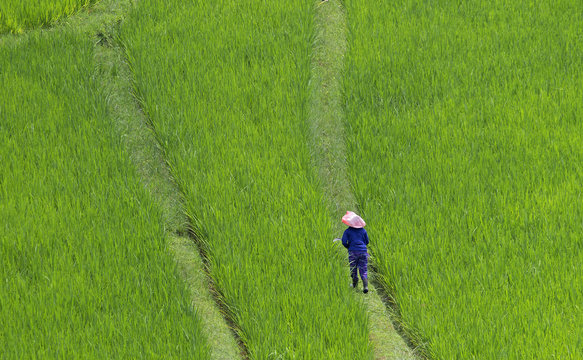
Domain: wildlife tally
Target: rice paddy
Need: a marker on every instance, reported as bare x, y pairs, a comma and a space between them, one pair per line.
225, 85
19, 15
85, 271
463, 133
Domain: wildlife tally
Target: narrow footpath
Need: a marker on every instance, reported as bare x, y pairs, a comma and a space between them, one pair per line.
326, 118
100, 22
114, 76
327, 125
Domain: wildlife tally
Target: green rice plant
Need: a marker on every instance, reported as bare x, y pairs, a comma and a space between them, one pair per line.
225, 86
85, 272
18, 15
465, 146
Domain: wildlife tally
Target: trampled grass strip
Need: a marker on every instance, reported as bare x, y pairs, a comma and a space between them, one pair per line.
225, 84
223, 345
115, 77
466, 159
326, 116
85, 268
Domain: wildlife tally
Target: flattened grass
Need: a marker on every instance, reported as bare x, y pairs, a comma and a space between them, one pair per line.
225, 85
85, 269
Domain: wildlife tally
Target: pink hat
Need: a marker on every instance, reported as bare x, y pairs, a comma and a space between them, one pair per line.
353, 220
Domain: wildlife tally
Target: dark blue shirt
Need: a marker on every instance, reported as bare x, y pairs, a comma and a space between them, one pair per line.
355, 239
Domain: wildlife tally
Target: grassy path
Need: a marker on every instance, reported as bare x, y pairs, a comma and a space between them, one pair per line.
232, 119
99, 278
328, 133
115, 77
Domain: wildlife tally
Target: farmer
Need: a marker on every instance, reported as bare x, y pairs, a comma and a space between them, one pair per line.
355, 239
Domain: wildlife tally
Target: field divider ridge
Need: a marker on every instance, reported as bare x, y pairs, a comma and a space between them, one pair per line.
115, 78
327, 129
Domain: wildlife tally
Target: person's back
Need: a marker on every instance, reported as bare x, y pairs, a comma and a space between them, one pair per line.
355, 239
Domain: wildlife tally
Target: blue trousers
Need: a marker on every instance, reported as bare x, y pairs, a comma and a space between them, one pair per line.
358, 262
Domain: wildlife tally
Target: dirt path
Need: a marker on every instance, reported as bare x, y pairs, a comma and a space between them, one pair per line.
327, 124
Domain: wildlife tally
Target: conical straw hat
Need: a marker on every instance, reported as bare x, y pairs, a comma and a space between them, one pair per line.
353, 220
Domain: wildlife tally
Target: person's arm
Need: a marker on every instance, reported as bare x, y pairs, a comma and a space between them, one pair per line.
365, 237
345, 240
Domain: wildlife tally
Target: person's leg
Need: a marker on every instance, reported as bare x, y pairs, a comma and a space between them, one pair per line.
362, 263
363, 269
353, 259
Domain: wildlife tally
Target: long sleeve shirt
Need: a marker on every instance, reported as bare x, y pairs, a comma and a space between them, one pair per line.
355, 239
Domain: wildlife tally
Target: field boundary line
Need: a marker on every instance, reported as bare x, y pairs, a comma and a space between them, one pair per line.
113, 75
100, 22
327, 131
149, 159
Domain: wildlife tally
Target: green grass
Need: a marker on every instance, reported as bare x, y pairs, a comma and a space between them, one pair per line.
85, 268
326, 118
225, 85
114, 76
19, 15
464, 134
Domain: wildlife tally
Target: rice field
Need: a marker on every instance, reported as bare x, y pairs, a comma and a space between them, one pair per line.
19, 15
464, 134
85, 272
225, 86
464, 145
